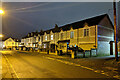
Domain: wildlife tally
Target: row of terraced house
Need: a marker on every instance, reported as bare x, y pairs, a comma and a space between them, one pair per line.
93, 34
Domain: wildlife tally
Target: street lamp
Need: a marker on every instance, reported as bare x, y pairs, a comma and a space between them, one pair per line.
1, 11
1, 35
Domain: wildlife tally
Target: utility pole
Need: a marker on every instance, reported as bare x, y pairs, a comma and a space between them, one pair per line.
115, 31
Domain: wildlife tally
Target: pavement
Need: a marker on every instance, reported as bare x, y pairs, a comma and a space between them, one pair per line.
34, 65
106, 57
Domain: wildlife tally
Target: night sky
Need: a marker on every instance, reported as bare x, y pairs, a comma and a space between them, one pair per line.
21, 18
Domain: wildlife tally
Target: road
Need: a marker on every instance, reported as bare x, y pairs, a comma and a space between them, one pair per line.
16, 64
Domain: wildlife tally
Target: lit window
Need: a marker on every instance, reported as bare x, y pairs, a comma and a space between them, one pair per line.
86, 32
34, 45
44, 45
71, 34
45, 37
51, 37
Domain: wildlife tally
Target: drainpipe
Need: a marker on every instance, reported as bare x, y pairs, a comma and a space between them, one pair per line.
96, 38
54, 41
77, 36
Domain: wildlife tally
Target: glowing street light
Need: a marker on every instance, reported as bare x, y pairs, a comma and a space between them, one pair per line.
1, 35
1, 11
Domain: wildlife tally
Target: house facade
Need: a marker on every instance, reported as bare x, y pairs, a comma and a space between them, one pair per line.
1, 44
33, 40
11, 43
92, 33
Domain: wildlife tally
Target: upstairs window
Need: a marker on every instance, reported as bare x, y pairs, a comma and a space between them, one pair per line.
61, 35
45, 37
38, 38
72, 34
86, 32
51, 37
35, 38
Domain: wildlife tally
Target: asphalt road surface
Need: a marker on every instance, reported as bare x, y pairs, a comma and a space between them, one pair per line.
19, 65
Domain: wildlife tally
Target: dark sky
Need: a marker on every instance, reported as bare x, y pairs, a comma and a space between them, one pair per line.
21, 18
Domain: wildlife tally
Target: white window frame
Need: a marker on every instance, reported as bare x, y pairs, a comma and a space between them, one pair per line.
45, 45
86, 32
72, 34
45, 37
51, 37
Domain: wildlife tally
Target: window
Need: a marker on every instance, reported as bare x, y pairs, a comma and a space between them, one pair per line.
29, 39
61, 35
45, 37
51, 37
44, 45
34, 45
38, 38
35, 38
86, 32
71, 34
10, 40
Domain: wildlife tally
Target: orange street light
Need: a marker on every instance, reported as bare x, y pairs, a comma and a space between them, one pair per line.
1, 35
1, 11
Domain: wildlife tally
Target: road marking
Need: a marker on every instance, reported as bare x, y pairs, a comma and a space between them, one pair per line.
74, 64
69, 63
11, 67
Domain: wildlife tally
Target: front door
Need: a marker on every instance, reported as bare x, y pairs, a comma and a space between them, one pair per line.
52, 47
111, 47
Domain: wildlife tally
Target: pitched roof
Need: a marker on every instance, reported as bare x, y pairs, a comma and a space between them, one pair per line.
29, 35
79, 24
16, 40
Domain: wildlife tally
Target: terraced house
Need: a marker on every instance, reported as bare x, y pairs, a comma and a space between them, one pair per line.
93, 33
32, 40
11, 43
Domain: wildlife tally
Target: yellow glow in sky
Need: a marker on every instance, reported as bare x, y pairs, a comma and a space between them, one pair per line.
1, 11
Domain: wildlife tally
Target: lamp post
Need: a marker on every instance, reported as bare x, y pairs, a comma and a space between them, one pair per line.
115, 31
1, 12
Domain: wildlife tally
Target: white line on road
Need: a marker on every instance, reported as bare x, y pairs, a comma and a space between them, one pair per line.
11, 67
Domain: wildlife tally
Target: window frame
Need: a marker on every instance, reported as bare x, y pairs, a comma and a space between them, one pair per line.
61, 35
46, 37
86, 32
51, 36
72, 34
